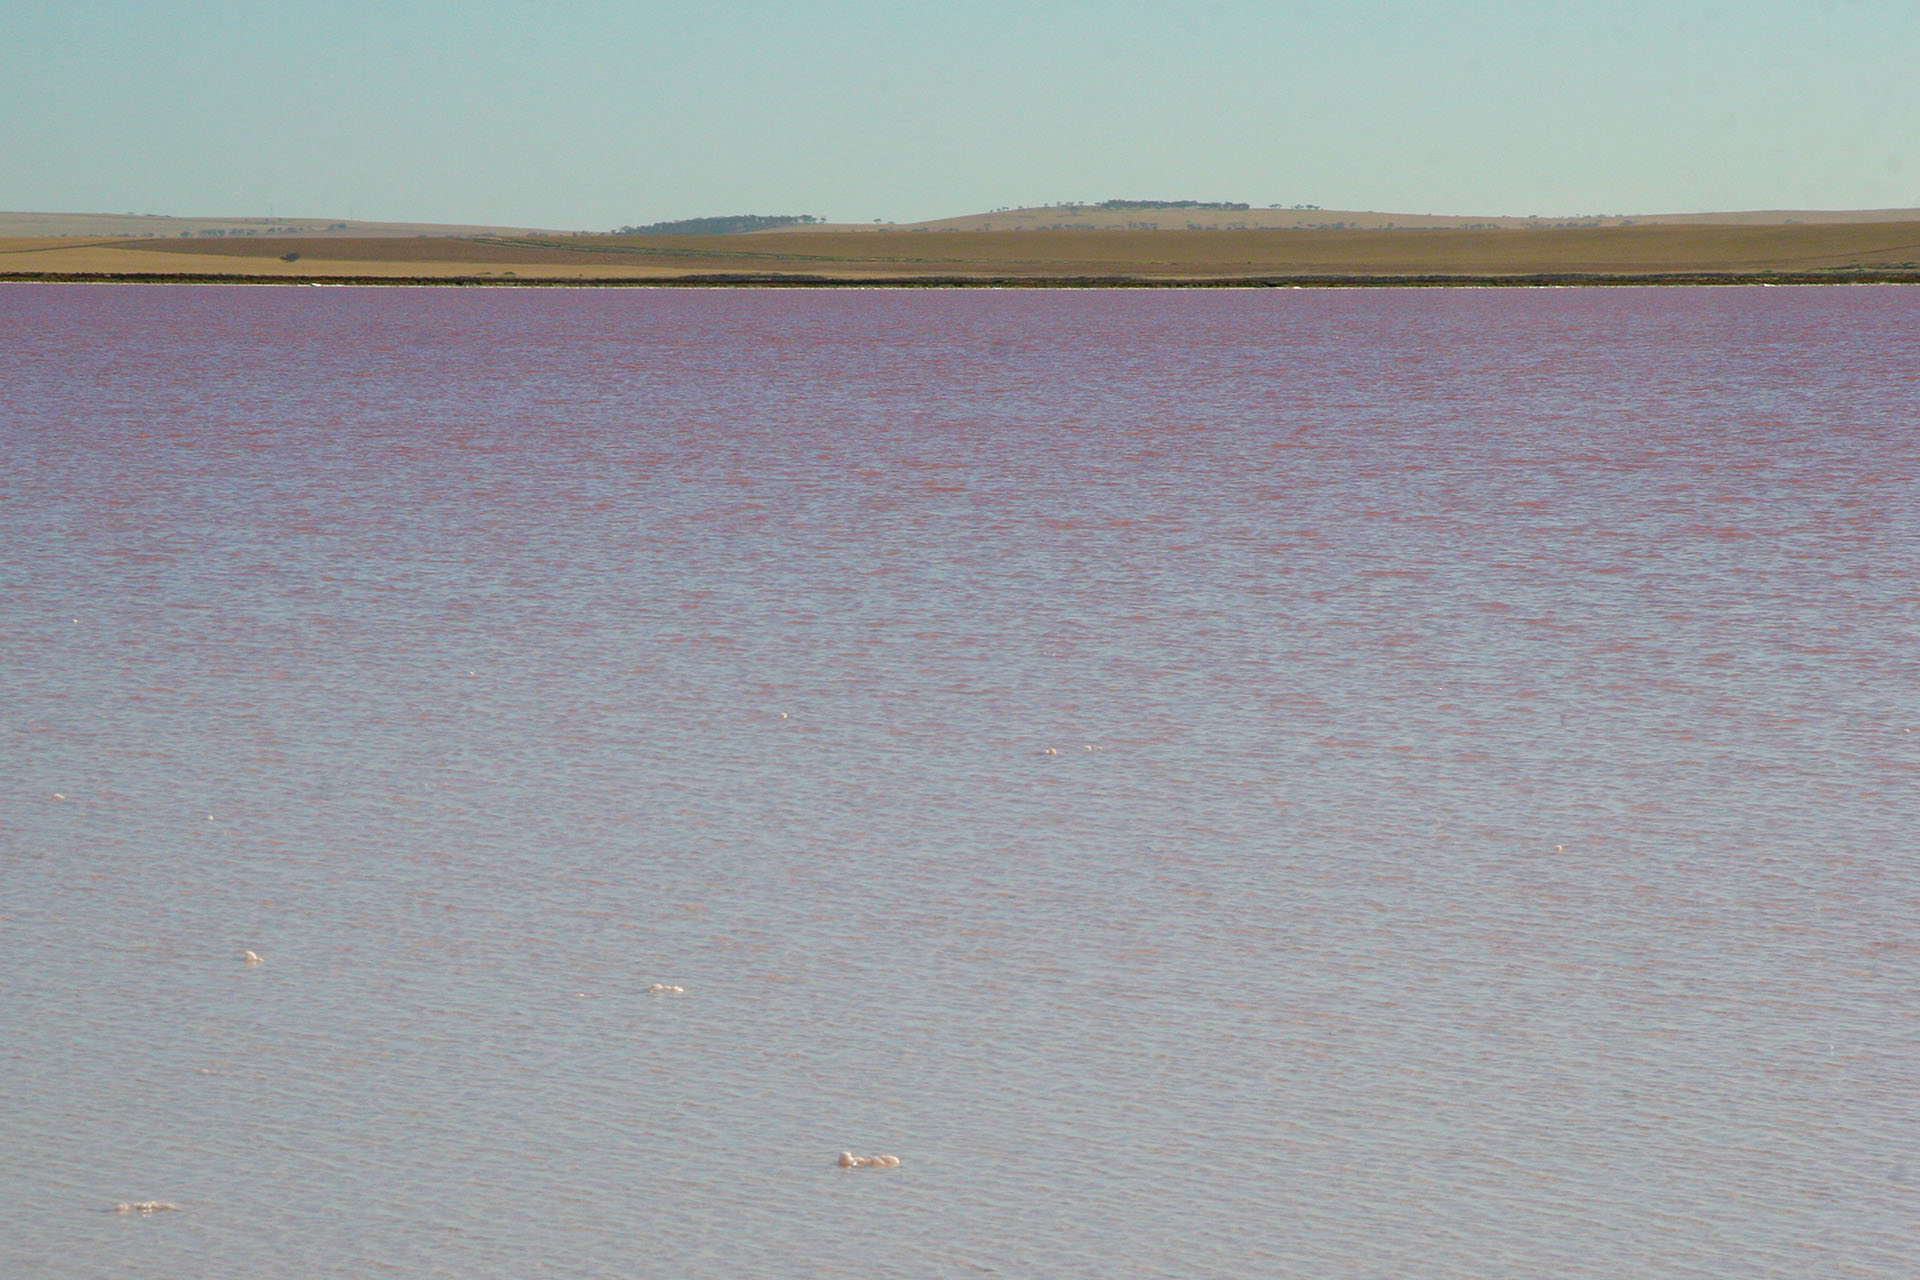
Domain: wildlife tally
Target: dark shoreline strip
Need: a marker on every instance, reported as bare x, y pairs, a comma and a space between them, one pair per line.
1532, 280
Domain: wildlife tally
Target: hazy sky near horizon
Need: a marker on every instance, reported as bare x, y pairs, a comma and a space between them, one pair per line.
597, 114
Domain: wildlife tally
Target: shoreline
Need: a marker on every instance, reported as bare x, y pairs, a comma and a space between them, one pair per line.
1528, 280
1881, 253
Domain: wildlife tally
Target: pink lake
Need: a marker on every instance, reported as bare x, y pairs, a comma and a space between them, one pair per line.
1412, 783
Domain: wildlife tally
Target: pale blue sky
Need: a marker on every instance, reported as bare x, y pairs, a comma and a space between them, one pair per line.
597, 114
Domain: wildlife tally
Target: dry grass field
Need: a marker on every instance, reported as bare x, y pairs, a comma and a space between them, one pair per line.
1834, 250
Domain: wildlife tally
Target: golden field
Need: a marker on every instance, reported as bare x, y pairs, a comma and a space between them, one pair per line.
1683, 251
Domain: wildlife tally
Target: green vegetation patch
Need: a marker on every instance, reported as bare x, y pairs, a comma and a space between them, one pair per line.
730, 224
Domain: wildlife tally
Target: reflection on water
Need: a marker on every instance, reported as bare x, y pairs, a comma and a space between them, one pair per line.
1384, 783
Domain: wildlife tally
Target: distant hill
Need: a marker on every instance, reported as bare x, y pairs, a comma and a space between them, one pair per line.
153, 226
1107, 215
1193, 215
726, 225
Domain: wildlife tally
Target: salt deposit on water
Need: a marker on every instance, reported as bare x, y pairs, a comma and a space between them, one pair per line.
1496, 861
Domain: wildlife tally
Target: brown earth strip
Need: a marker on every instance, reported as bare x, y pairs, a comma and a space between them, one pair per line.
1427, 255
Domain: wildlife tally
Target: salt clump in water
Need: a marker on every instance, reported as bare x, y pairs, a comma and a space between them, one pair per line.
848, 1160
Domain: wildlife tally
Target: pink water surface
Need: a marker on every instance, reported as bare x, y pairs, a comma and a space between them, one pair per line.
1298, 783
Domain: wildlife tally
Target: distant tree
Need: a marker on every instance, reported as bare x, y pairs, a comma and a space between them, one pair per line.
1170, 204
727, 225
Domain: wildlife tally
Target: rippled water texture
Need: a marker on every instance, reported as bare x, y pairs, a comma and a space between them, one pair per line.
1495, 855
